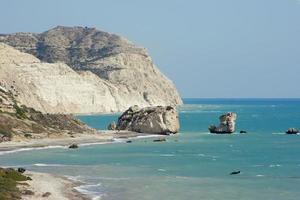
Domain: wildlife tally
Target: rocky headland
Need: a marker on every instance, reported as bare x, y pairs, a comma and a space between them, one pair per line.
82, 70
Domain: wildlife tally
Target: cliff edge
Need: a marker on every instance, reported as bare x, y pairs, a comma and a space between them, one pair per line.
87, 71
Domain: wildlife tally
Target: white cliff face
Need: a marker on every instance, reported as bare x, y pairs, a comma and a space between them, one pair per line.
57, 88
103, 72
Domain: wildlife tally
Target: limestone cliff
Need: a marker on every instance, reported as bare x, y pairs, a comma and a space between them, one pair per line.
19, 122
107, 73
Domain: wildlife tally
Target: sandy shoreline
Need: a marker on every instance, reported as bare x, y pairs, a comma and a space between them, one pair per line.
50, 187
102, 137
60, 187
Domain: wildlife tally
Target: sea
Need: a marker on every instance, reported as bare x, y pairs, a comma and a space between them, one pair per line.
191, 165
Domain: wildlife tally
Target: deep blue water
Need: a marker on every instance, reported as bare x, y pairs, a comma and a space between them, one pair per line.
193, 164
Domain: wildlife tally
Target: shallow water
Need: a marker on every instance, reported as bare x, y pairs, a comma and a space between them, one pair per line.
192, 164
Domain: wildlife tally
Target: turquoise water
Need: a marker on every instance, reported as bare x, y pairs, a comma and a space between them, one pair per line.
193, 164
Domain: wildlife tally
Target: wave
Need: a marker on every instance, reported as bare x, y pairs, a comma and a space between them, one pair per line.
275, 165
278, 133
30, 149
92, 190
48, 165
201, 111
167, 155
115, 140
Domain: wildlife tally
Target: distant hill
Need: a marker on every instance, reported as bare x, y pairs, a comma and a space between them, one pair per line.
97, 72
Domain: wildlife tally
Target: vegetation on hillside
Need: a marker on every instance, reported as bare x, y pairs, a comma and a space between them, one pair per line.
9, 179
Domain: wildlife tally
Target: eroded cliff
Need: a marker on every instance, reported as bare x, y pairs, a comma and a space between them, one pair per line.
103, 72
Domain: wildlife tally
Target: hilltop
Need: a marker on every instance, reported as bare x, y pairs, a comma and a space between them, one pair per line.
87, 71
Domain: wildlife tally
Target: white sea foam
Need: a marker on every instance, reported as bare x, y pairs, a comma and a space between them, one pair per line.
257, 165
279, 133
75, 178
94, 191
48, 165
96, 143
161, 170
275, 165
30, 149
147, 136
167, 155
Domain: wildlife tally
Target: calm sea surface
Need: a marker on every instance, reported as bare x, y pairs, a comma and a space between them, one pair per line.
192, 165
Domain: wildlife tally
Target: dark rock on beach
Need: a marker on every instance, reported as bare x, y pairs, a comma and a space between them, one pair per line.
21, 170
27, 192
227, 124
292, 131
73, 146
46, 194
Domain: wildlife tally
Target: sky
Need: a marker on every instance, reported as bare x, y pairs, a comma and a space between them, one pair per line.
208, 48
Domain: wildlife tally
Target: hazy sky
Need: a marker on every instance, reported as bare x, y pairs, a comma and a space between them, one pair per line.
209, 48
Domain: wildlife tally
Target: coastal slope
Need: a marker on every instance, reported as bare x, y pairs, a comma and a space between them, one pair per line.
98, 72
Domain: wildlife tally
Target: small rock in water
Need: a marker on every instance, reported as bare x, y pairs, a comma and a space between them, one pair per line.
160, 140
242, 131
73, 146
235, 172
128, 141
21, 170
292, 131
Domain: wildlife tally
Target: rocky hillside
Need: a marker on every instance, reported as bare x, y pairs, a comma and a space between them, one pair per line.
18, 122
111, 73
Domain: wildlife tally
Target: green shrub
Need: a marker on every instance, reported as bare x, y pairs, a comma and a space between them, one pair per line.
5, 132
27, 135
20, 112
8, 184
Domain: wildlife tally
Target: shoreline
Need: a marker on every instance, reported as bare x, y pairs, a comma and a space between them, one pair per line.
61, 187
50, 187
81, 140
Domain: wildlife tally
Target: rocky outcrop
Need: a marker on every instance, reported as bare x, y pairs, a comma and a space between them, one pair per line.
18, 122
153, 120
292, 131
112, 126
108, 73
227, 124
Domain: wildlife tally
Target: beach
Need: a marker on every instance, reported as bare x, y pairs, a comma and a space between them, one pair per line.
80, 139
55, 187
50, 187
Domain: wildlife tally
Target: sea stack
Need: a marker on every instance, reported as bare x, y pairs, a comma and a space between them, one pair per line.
227, 124
153, 120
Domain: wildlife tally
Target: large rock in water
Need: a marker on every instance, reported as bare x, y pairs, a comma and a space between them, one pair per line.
154, 120
103, 72
227, 124
292, 131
